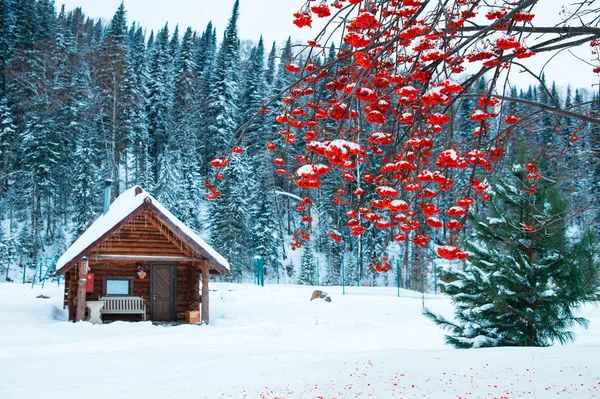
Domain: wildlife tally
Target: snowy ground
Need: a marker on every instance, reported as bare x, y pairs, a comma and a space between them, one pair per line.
271, 342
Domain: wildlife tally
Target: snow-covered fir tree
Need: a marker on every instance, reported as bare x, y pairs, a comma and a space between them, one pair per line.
308, 267
169, 185
160, 97
229, 218
525, 280
7, 139
85, 193
223, 111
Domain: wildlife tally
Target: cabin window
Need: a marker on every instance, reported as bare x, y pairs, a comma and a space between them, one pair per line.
117, 286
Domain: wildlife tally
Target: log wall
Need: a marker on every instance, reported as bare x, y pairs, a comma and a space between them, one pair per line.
139, 237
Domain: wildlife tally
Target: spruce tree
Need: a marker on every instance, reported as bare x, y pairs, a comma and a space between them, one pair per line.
204, 49
186, 125
7, 140
137, 83
7, 40
308, 267
169, 184
254, 96
229, 217
46, 21
160, 97
26, 20
85, 191
264, 230
223, 110
270, 71
524, 280
115, 94
205, 63
228, 214
86, 176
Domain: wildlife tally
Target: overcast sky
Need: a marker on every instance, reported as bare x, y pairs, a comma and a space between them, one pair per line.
273, 19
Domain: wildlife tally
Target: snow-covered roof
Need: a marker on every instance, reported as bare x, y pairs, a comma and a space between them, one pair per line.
126, 204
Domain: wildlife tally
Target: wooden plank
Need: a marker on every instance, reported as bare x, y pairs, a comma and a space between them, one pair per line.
179, 245
192, 244
102, 238
148, 240
149, 258
138, 252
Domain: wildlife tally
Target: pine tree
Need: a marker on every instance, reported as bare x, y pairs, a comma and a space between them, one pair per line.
7, 40
206, 56
46, 21
524, 280
137, 84
160, 97
10, 249
264, 234
7, 140
223, 110
264, 230
86, 176
85, 191
308, 268
186, 124
170, 183
204, 49
174, 48
26, 20
228, 214
254, 96
112, 81
270, 71
4, 261
229, 218
283, 77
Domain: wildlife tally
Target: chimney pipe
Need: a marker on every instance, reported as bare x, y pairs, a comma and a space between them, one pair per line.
107, 194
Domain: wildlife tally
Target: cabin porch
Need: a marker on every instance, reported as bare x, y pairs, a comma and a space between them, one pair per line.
169, 287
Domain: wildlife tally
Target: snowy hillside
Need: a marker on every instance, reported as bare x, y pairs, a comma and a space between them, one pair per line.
272, 342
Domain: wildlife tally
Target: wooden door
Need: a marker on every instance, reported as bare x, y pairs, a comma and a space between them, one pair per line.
163, 293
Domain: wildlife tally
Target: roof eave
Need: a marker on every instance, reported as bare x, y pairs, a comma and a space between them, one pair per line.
146, 205
71, 263
222, 269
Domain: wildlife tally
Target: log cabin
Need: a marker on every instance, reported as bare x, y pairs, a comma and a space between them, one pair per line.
138, 252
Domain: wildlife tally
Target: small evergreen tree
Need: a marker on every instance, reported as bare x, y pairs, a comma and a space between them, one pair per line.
170, 184
307, 266
523, 281
229, 218
7, 137
160, 97
85, 191
223, 110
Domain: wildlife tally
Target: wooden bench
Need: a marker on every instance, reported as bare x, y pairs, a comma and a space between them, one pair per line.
123, 305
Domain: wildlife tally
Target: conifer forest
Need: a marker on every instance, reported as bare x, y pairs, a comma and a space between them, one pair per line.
216, 128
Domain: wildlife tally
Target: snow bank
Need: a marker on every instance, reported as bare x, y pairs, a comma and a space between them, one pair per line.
273, 342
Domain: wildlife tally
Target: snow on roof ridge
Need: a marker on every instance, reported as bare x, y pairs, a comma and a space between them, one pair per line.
123, 206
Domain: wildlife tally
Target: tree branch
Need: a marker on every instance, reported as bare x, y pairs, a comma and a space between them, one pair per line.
545, 107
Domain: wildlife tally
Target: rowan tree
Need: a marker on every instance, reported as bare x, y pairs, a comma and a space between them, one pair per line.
380, 112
